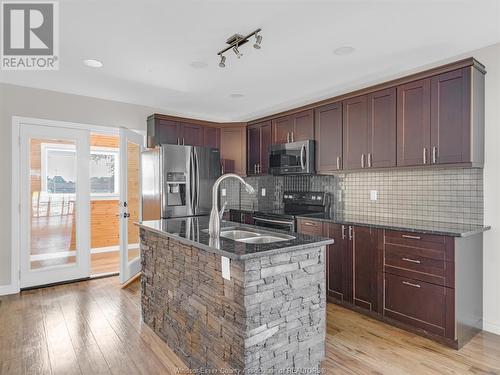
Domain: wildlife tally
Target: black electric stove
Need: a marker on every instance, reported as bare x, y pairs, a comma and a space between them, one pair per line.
294, 204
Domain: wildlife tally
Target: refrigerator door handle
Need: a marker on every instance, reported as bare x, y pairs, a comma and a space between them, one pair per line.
191, 180
197, 168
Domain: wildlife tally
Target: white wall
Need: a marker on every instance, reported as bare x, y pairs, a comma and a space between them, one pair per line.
27, 102
18, 101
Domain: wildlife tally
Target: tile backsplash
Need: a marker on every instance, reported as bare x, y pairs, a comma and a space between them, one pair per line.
453, 195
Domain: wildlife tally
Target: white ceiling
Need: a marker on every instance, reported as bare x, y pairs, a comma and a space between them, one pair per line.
147, 48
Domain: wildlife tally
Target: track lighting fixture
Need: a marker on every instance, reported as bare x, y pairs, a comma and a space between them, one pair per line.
236, 41
258, 41
237, 52
222, 63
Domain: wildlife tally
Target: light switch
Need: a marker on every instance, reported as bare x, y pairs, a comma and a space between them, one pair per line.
263, 192
226, 268
373, 195
223, 192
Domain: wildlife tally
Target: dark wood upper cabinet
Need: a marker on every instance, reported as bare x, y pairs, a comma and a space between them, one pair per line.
266, 134
366, 266
258, 142
233, 149
192, 134
303, 126
282, 129
211, 137
328, 137
414, 123
294, 128
382, 129
253, 147
168, 132
355, 132
451, 117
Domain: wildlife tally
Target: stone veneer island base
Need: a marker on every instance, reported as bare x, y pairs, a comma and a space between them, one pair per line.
269, 317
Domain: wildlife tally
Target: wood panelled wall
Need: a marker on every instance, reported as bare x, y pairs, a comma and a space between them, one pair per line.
104, 227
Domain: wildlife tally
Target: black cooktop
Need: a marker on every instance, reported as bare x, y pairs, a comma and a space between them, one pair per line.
299, 203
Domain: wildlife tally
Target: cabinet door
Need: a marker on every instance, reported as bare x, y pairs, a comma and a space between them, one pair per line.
366, 267
450, 117
266, 134
355, 132
338, 273
328, 136
253, 147
192, 134
414, 123
169, 132
303, 126
382, 128
211, 137
233, 149
282, 129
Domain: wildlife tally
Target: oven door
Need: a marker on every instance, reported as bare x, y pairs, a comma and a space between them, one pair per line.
292, 158
286, 225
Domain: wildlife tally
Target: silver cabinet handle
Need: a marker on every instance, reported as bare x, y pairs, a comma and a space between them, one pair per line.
259, 169
338, 162
369, 160
183, 142
288, 137
255, 168
424, 155
343, 231
309, 224
411, 260
350, 232
362, 160
411, 284
302, 156
178, 142
411, 237
434, 155
293, 140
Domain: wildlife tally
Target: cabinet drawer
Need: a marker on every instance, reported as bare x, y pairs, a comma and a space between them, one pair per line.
414, 239
418, 263
420, 304
310, 227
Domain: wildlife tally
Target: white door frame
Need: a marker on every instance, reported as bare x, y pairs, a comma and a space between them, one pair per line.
127, 269
14, 286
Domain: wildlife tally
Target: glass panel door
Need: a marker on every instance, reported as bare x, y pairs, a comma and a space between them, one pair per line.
54, 205
131, 147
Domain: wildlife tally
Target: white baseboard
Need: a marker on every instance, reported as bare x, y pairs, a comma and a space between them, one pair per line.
8, 289
491, 327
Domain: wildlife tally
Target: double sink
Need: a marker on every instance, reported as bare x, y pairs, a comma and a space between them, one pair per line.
252, 236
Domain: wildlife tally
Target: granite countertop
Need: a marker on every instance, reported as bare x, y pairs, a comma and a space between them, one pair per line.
421, 226
194, 231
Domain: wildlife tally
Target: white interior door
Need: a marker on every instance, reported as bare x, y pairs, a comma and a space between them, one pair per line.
54, 205
131, 147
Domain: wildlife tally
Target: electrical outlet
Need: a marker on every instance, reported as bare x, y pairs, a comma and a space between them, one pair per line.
223, 192
373, 195
263, 192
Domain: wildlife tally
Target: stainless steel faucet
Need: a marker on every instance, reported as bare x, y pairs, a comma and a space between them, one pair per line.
215, 218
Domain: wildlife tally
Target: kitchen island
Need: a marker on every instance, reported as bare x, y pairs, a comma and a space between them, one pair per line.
231, 305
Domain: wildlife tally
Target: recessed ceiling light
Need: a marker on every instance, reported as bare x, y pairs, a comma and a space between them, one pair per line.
236, 96
198, 64
93, 63
344, 50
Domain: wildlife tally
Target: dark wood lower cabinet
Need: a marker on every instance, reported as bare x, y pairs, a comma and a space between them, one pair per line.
425, 283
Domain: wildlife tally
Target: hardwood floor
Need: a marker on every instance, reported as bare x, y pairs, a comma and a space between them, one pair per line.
94, 327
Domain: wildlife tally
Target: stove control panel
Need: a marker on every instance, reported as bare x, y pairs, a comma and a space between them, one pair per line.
316, 198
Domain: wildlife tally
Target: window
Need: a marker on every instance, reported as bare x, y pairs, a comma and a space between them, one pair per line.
59, 170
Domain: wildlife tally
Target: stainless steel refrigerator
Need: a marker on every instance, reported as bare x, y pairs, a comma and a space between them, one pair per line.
177, 181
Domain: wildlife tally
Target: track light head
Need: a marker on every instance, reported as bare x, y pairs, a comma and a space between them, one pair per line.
237, 52
222, 63
258, 41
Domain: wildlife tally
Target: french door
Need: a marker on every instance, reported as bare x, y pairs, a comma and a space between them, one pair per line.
54, 204
131, 147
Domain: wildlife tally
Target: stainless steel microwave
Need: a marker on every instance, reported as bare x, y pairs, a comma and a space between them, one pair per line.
292, 158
